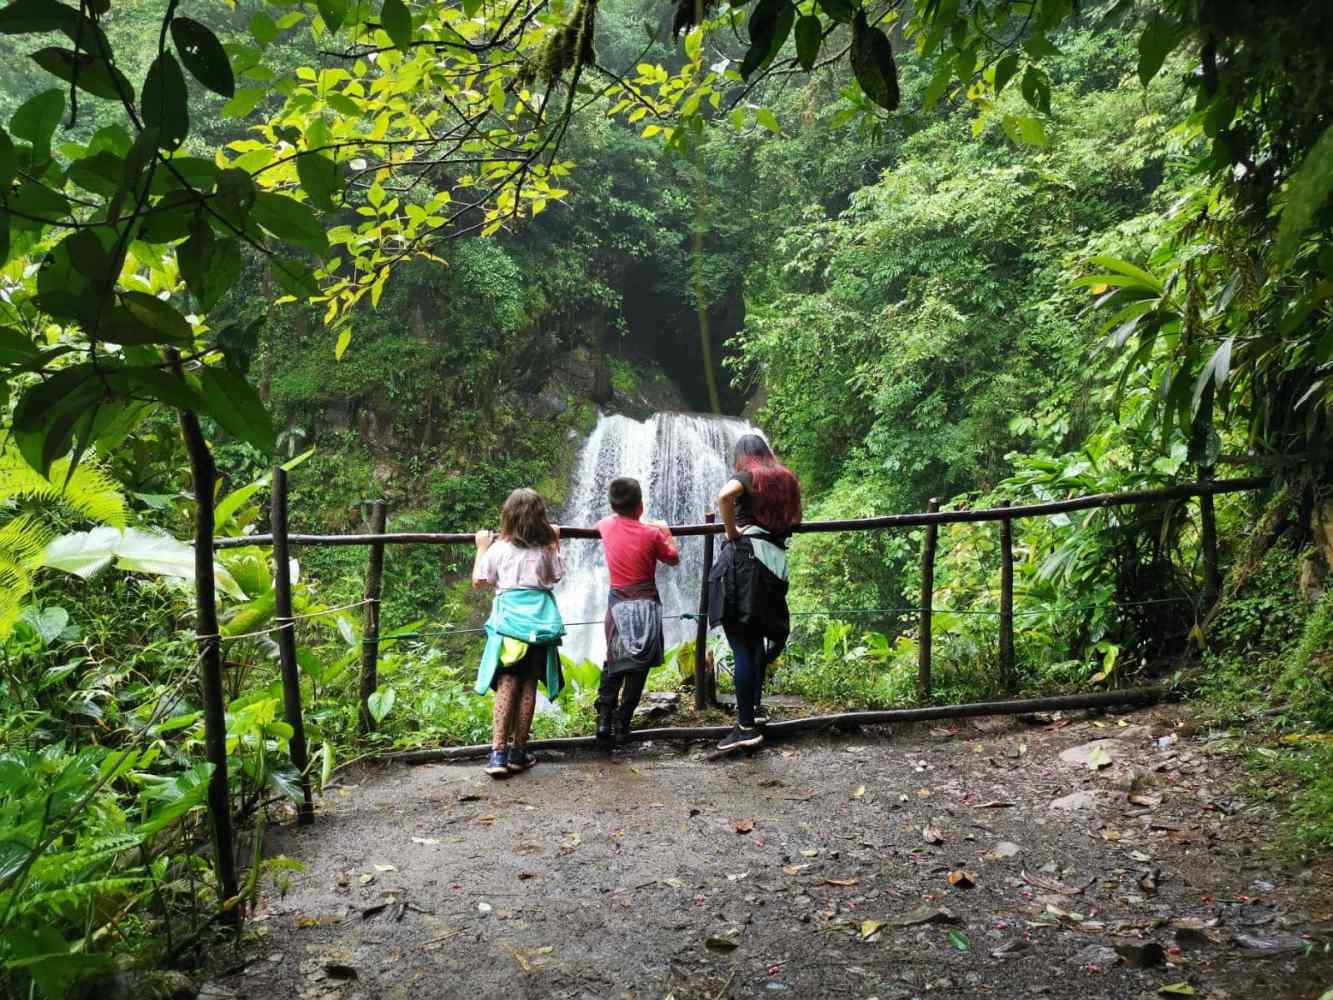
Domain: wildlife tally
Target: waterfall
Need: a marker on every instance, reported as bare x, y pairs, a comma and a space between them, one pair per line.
681, 460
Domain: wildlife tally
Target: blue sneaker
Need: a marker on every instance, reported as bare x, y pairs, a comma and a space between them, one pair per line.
520, 760
497, 764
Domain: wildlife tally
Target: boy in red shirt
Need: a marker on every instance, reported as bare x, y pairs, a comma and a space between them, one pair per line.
634, 609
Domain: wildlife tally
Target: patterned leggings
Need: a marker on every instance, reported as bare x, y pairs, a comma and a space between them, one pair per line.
515, 700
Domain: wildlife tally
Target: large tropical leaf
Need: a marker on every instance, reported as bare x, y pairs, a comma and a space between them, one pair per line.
87, 553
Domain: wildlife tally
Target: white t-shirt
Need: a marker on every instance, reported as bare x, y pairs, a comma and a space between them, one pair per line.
509, 567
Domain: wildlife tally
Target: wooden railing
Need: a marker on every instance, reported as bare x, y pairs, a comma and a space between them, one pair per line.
281, 539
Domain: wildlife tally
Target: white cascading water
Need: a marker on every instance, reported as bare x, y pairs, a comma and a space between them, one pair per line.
681, 460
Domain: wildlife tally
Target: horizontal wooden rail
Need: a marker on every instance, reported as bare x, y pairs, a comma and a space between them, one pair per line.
1181, 492
1101, 699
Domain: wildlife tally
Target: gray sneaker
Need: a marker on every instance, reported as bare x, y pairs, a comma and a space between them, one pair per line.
741, 737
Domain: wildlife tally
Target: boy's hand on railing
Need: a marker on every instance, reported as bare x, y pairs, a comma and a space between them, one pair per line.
662, 526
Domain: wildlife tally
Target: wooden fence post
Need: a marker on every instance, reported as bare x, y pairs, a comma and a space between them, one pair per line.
1212, 573
927, 603
370, 633
286, 636
203, 475
1007, 671
704, 692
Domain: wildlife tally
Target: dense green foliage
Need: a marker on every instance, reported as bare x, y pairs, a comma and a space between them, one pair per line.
1090, 251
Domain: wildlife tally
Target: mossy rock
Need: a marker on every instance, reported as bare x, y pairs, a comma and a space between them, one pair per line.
137, 984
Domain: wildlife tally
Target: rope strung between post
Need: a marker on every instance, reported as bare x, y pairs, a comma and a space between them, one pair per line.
695, 616
288, 622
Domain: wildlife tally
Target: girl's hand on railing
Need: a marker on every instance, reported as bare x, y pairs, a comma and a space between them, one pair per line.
483, 539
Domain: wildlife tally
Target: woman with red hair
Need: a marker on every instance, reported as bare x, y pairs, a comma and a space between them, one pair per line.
760, 506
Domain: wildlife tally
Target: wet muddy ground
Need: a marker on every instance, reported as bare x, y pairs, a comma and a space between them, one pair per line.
994, 858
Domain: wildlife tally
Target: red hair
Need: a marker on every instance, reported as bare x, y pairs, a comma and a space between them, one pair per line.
775, 491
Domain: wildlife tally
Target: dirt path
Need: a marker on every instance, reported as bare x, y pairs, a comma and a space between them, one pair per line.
594, 878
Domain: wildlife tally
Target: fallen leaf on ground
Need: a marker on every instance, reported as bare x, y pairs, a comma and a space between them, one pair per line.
844, 882
962, 880
1148, 883
1264, 947
1050, 884
572, 841
794, 869
925, 915
1011, 948
995, 804
1177, 990
932, 835
427, 841
718, 942
1059, 914
1099, 759
1004, 849
743, 825
385, 868
869, 927
810, 852
367, 878
860, 792
923, 792
958, 940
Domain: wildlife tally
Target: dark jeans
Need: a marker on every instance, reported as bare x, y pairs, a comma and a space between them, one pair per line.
626, 689
751, 659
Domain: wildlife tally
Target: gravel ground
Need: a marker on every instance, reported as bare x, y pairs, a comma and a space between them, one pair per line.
968, 861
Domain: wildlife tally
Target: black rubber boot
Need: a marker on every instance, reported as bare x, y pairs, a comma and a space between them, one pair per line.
603, 724
621, 729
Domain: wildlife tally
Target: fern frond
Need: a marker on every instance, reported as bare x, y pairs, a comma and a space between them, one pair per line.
76, 897
22, 542
89, 492
24, 539
62, 867
15, 585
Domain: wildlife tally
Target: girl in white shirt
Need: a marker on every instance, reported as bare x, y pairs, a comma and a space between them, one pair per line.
526, 556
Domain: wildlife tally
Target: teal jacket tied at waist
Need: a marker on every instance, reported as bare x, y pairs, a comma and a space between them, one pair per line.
529, 616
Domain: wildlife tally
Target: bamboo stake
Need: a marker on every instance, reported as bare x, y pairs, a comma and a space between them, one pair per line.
704, 693
927, 713
286, 637
1212, 572
927, 604
1007, 670
370, 634
1127, 498
203, 476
